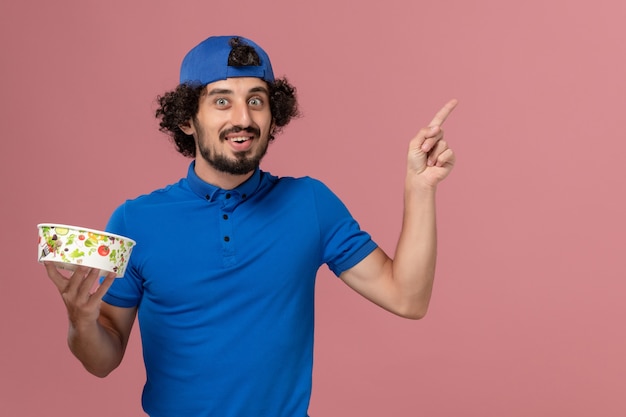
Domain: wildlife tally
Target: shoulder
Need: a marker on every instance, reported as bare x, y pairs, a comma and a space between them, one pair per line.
308, 194
296, 183
165, 195
297, 190
150, 206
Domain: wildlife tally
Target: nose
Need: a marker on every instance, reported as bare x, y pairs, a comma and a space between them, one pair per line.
241, 115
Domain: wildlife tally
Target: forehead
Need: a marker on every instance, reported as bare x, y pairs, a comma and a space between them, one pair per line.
238, 85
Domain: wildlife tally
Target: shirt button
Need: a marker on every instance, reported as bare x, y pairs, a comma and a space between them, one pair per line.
225, 216
208, 197
228, 195
226, 239
244, 196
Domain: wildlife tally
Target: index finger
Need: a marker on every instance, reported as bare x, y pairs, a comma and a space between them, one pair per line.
60, 281
443, 114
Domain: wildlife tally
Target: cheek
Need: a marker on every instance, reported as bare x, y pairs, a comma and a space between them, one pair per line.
208, 123
265, 123
208, 131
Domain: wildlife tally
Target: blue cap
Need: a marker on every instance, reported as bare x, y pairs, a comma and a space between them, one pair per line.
208, 62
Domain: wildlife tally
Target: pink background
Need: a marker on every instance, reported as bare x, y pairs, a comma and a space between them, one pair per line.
527, 318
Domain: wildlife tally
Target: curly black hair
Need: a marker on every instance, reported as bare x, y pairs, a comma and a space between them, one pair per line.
177, 107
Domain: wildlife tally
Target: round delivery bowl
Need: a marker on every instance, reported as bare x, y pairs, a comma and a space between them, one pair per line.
71, 246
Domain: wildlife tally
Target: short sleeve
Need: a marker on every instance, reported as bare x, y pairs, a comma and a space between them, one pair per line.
125, 291
344, 243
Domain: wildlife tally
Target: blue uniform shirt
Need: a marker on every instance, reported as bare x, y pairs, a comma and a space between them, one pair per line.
224, 285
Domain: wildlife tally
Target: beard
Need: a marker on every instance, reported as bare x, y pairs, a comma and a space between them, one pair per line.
243, 162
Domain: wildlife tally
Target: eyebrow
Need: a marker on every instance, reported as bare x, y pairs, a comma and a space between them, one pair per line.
224, 91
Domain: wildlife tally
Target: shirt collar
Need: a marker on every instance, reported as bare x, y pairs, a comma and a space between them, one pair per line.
209, 192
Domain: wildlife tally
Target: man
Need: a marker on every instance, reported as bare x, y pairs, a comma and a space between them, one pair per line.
222, 277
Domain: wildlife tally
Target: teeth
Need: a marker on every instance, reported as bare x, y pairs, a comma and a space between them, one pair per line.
240, 139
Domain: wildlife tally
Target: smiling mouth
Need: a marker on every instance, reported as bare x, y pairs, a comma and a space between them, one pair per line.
234, 135
240, 139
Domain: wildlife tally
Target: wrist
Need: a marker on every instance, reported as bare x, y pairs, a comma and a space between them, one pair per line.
82, 326
415, 184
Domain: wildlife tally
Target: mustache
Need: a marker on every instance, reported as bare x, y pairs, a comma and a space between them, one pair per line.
236, 129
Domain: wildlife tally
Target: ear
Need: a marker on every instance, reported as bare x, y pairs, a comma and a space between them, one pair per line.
187, 128
272, 131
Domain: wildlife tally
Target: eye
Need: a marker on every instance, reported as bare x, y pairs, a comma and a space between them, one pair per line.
255, 101
221, 102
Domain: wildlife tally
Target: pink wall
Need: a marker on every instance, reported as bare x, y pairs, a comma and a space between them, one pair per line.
528, 313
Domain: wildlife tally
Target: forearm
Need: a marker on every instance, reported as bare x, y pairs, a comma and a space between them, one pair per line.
98, 348
416, 253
